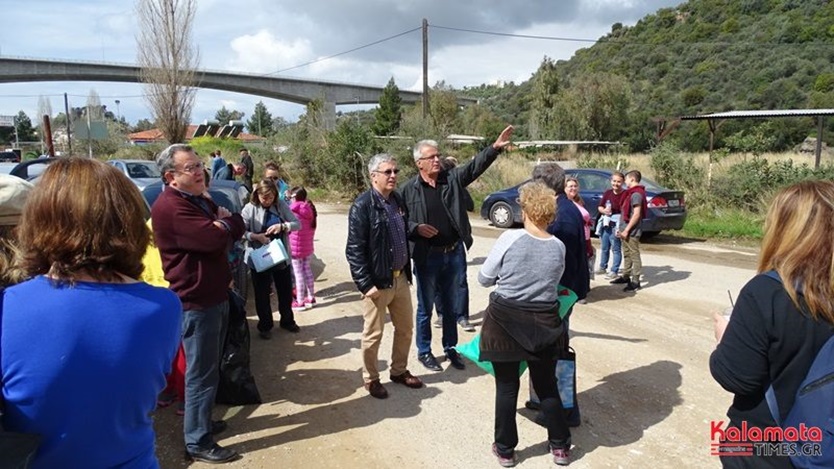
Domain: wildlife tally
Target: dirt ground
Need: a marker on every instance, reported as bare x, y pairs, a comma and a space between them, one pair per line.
645, 391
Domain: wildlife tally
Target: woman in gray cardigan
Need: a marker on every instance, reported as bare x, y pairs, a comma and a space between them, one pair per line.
267, 217
522, 322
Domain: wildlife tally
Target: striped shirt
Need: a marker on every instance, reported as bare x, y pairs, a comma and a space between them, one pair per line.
396, 231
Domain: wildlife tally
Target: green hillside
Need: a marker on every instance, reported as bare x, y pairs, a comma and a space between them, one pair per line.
702, 56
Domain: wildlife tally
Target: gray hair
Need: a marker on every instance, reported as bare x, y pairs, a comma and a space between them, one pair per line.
418, 149
551, 174
378, 159
165, 159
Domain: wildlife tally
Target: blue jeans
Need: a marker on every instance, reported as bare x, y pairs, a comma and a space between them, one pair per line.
462, 305
203, 333
609, 241
439, 277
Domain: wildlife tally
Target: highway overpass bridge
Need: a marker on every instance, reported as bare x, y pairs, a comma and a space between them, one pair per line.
294, 90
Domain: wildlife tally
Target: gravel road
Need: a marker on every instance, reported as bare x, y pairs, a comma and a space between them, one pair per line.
645, 391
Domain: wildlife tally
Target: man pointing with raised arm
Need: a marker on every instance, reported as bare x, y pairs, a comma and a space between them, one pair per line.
438, 229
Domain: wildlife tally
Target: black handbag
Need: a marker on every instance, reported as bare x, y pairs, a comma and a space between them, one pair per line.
566, 383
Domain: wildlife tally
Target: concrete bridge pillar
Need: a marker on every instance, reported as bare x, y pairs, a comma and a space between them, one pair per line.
329, 115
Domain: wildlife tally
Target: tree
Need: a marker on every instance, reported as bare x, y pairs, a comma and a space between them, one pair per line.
593, 108
545, 95
223, 116
168, 60
344, 162
142, 125
279, 123
94, 108
478, 120
443, 105
25, 130
261, 121
44, 107
389, 113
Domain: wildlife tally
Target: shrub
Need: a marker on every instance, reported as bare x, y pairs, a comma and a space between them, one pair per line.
676, 170
751, 183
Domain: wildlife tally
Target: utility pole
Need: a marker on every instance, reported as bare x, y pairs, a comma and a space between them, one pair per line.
69, 134
425, 68
118, 112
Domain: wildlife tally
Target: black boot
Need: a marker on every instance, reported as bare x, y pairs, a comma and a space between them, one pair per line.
632, 286
621, 280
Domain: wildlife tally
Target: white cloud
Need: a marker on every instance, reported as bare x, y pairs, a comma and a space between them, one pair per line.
262, 52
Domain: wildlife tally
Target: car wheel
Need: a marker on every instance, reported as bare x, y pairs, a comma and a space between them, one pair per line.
501, 215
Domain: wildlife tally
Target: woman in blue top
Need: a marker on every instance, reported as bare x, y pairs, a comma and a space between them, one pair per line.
84, 346
267, 216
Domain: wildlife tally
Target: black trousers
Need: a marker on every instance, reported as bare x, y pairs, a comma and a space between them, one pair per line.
543, 376
262, 282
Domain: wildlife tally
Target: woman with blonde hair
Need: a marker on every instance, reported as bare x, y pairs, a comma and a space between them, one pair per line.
522, 322
85, 346
777, 327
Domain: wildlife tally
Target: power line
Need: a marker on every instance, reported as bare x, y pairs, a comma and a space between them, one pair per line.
345, 52
621, 41
523, 36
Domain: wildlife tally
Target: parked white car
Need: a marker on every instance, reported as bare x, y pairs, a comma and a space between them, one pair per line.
141, 172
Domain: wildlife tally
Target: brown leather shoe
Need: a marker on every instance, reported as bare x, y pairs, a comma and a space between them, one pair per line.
376, 389
407, 379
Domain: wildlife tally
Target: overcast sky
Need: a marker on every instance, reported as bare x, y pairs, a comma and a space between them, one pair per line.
265, 36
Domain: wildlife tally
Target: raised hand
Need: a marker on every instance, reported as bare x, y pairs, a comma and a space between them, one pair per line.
504, 139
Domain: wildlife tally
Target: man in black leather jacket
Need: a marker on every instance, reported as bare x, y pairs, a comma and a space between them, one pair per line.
438, 227
377, 252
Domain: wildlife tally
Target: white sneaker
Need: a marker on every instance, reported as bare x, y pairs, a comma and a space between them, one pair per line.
611, 275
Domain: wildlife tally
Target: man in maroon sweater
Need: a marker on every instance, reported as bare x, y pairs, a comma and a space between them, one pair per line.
193, 235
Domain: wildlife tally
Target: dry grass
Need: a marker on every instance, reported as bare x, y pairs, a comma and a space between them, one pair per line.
642, 161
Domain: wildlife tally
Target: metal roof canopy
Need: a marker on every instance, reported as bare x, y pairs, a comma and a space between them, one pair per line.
820, 114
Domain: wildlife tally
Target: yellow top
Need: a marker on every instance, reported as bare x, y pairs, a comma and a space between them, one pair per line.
153, 273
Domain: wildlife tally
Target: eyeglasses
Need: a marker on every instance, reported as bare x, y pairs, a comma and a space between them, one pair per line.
429, 158
389, 172
193, 168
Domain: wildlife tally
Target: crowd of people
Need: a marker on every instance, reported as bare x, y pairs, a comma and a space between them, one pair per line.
72, 253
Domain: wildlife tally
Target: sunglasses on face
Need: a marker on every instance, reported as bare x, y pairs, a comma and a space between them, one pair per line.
389, 172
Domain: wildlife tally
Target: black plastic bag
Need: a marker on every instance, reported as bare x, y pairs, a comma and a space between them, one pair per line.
237, 385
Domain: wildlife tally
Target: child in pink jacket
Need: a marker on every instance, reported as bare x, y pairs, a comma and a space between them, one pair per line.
301, 244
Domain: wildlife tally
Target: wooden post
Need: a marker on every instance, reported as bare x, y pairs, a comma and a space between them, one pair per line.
47, 136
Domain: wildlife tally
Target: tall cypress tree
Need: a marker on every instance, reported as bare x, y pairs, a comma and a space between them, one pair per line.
387, 117
261, 121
